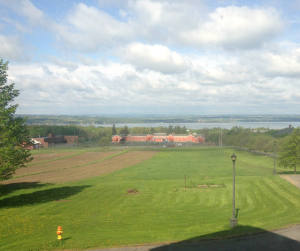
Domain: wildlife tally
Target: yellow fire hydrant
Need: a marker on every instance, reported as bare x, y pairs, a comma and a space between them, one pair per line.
59, 232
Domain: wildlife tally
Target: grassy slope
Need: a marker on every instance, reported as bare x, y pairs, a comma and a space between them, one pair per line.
98, 212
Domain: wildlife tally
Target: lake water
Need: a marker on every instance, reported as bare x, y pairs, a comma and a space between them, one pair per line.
198, 125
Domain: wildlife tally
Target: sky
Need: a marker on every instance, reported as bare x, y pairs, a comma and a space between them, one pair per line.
98, 57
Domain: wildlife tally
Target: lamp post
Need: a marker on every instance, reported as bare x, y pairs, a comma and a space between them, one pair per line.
233, 220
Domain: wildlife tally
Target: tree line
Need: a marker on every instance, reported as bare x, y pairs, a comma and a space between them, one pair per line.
252, 139
91, 135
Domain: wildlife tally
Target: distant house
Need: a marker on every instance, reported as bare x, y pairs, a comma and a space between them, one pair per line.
34, 144
54, 140
40, 142
159, 138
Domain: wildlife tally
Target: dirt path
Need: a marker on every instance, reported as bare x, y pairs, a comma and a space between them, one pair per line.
292, 178
279, 240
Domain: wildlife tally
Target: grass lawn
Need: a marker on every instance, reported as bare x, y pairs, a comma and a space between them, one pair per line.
99, 212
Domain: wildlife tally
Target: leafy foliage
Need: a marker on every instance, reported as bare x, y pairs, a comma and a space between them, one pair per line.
281, 132
252, 139
13, 132
124, 131
290, 154
114, 130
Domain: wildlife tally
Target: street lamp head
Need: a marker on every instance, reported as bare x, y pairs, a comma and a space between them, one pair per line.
233, 157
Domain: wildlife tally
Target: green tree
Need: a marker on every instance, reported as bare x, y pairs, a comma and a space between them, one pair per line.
105, 136
13, 132
170, 129
114, 130
124, 131
290, 151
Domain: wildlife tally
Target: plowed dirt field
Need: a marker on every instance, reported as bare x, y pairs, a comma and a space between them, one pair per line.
64, 167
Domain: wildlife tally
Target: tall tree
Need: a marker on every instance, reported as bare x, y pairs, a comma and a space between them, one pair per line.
13, 132
170, 129
290, 154
124, 131
114, 130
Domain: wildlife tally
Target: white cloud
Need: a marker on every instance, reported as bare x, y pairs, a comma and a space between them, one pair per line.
235, 27
19, 26
167, 14
162, 21
88, 29
280, 64
63, 85
207, 82
155, 57
11, 48
26, 9
30, 11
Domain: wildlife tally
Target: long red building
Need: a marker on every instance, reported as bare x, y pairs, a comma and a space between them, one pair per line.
160, 138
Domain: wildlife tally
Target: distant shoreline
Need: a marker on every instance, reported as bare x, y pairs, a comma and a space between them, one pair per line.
192, 125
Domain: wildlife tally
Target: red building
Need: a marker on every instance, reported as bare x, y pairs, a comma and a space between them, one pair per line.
159, 137
54, 140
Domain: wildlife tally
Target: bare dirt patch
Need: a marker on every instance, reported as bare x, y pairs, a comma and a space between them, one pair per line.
56, 165
82, 167
293, 178
202, 186
132, 191
41, 157
107, 166
205, 186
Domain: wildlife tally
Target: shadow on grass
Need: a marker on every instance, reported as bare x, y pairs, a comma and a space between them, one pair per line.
287, 172
56, 244
42, 196
254, 239
9, 188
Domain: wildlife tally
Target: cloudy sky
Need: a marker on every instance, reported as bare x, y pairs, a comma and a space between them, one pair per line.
153, 56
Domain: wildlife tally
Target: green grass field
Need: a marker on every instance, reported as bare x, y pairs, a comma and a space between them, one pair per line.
98, 212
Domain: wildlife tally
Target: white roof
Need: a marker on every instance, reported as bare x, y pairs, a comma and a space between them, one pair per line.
36, 142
